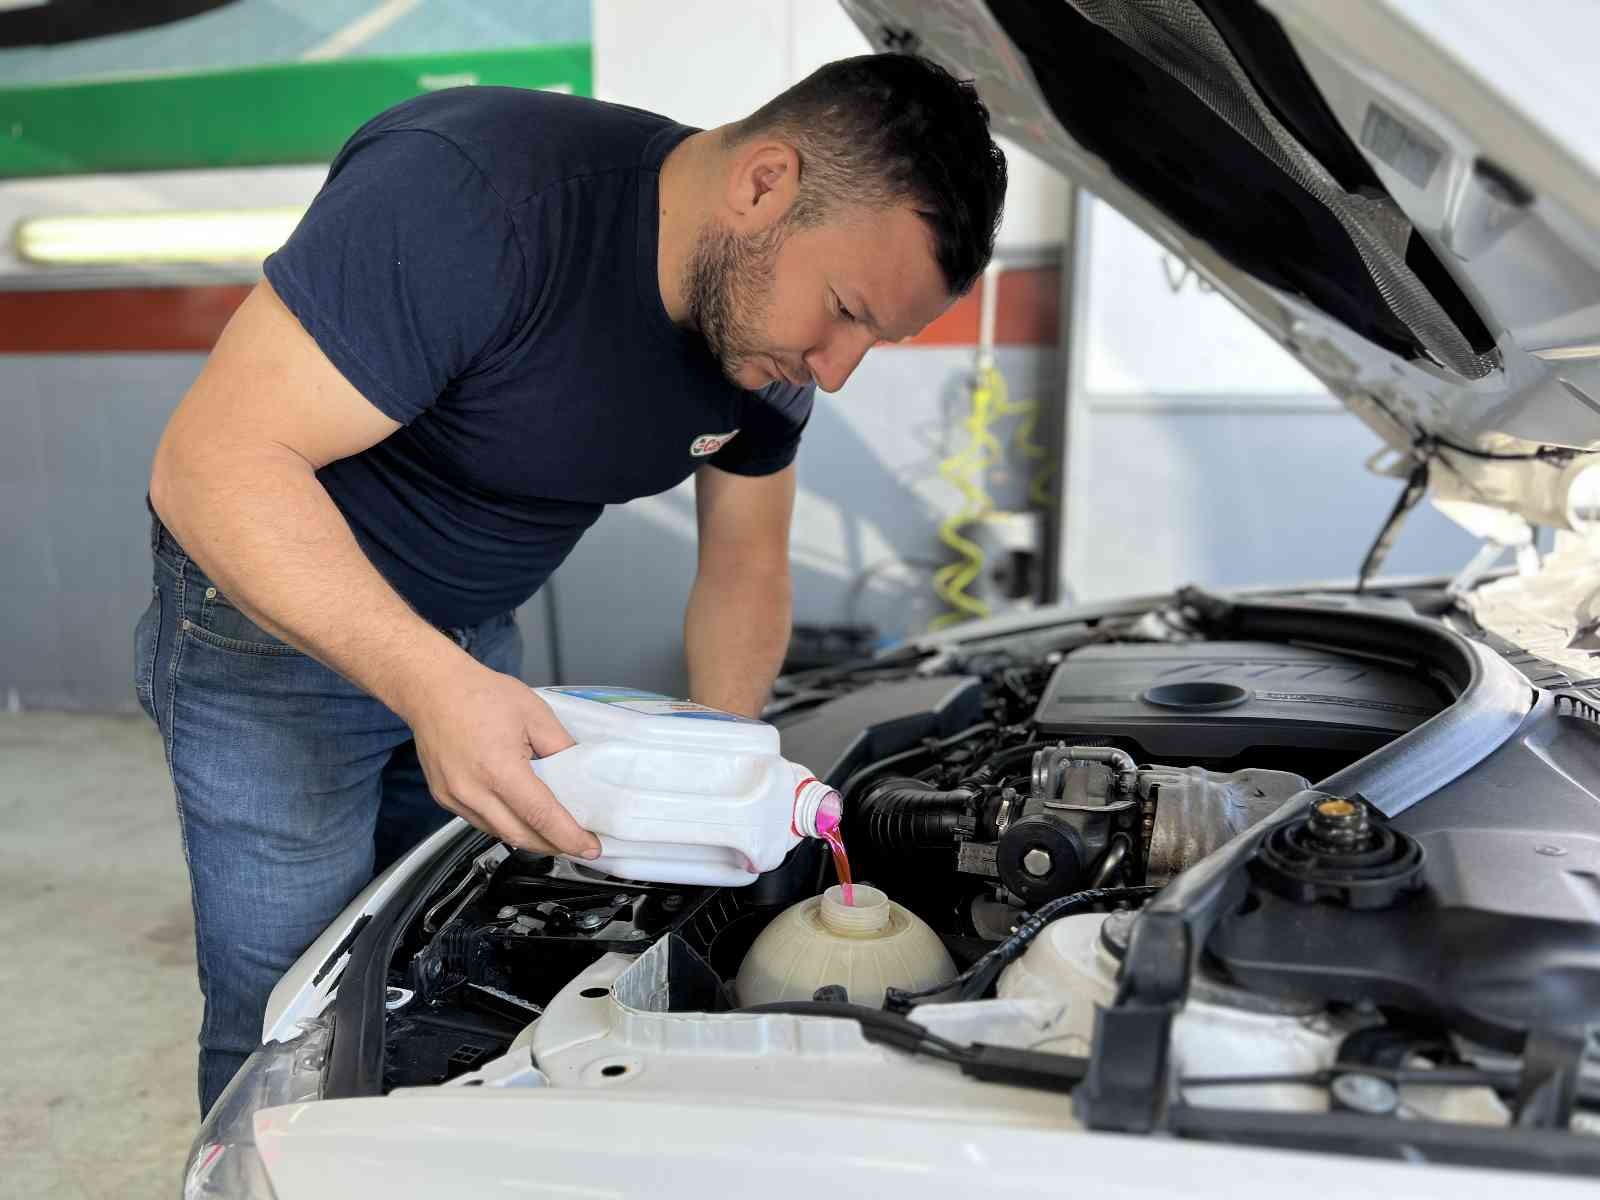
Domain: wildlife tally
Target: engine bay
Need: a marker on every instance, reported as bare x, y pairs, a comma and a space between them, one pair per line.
1026, 799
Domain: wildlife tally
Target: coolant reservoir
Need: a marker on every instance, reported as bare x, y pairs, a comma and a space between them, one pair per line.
864, 947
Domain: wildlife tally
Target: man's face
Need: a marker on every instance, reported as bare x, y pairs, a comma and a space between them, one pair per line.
804, 304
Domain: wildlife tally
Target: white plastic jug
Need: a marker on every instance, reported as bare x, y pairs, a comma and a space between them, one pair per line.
678, 792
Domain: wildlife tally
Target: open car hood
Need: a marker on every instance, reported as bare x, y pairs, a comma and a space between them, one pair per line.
1405, 196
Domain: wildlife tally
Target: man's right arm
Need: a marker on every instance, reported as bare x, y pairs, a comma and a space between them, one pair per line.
235, 480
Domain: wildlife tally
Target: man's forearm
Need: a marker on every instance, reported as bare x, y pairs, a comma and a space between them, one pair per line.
235, 477
261, 525
735, 632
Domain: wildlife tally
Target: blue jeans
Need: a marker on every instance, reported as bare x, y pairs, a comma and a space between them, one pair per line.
294, 788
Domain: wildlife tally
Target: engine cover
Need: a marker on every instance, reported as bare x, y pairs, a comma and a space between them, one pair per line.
1198, 701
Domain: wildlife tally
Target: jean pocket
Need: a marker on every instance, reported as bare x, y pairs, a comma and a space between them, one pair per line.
146, 639
222, 626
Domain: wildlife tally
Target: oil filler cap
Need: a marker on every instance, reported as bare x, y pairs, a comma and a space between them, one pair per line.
1339, 850
1196, 695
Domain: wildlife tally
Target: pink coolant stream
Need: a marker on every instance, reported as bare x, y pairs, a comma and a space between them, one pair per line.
825, 811
841, 862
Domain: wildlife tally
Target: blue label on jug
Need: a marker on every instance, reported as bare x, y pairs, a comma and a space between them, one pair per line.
651, 704
609, 695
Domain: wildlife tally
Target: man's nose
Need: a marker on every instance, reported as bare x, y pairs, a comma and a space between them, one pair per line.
832, 364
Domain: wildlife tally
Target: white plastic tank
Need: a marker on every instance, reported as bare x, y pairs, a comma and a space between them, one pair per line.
865, 948
678, 792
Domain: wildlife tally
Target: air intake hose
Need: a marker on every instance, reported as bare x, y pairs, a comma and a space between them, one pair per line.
900, 814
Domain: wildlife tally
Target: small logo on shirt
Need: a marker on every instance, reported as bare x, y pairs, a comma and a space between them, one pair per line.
710, 443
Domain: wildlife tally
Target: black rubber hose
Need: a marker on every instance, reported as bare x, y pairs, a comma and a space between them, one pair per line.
994, 767
926, 749
900, 814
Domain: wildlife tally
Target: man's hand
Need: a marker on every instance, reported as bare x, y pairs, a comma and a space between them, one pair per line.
475, 733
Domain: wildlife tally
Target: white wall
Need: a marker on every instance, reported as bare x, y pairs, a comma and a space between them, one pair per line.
1202, 452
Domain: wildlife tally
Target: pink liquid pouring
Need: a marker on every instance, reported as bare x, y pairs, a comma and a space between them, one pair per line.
828, 826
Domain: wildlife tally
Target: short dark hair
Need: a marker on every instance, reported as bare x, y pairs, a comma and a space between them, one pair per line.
886, 129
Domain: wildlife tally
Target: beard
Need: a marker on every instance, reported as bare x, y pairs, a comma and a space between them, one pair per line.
728, 283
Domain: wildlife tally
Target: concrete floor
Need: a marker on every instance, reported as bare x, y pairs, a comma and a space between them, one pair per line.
97, 982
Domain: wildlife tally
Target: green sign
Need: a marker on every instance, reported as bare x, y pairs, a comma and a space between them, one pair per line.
261, 116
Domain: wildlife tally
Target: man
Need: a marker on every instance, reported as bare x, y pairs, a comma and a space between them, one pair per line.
504, 311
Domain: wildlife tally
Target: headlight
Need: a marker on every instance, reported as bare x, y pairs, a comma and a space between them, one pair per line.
224, 1161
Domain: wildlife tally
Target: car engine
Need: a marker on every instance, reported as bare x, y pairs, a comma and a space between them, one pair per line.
1026, 797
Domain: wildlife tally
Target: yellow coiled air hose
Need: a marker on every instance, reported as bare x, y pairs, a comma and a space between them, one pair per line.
964, 471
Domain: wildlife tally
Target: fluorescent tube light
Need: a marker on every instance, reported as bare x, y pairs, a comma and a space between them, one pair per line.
108, 239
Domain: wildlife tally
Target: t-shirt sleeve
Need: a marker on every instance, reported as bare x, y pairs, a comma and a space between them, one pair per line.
406, 269
769, 435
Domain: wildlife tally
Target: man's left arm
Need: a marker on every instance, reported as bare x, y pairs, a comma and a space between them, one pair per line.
736, 628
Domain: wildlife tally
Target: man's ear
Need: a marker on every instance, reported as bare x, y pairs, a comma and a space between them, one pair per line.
762, 184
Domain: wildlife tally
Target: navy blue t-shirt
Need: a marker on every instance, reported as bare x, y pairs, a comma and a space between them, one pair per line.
481, 266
